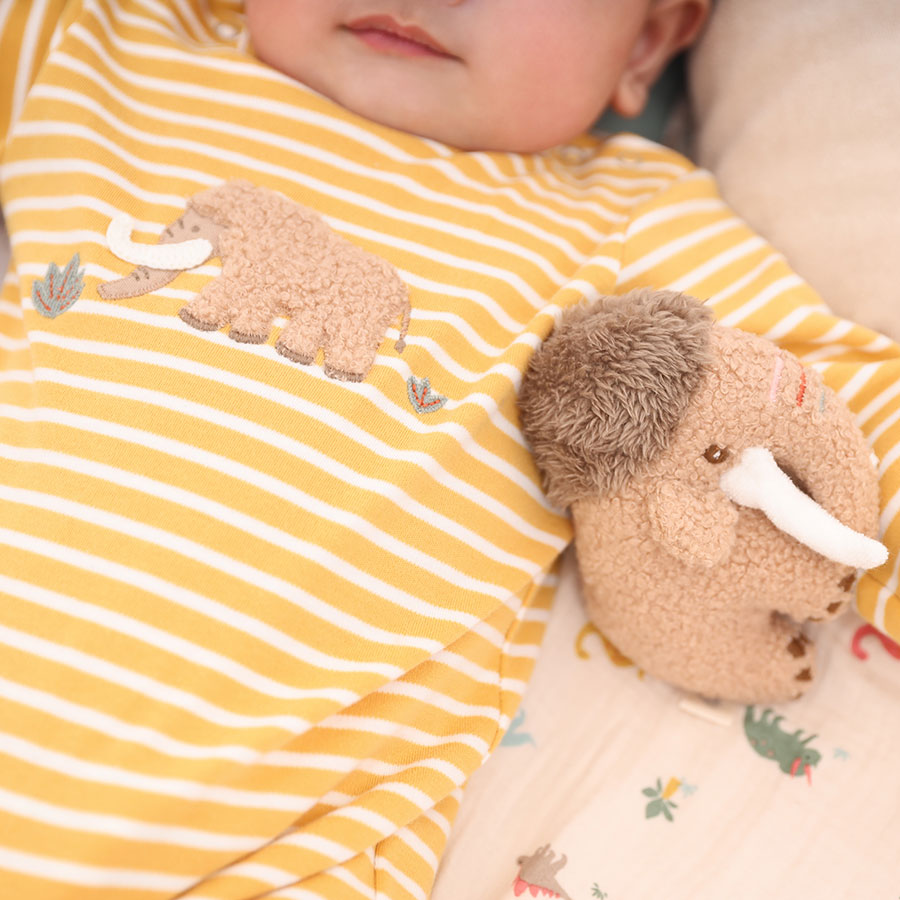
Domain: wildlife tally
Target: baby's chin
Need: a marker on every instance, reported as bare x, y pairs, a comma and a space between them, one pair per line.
461, 129
446, 112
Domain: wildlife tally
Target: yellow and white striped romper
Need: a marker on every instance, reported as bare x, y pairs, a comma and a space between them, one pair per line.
260, 624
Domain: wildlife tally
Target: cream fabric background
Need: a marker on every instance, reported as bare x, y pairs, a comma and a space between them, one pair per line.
797, 113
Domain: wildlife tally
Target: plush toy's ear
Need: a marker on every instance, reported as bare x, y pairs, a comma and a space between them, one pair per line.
696, 526
606, 390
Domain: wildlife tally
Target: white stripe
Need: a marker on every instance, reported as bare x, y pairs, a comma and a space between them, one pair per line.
182, 545
145, 23
189, 599
863, 376
673, 248
532, 184
873, 436
151, 688
690, 281
795, 317
877, 403
736, 286
171, 643
72, 767
345, 764
320, 555
115, 729
680, 210
402, 416
123, 828
52, 868
442, 227
892, 507
400, 182
401, 878
61, 166
239, 100
13, 344
448, 170
353, 626
885, 595
418, 846
298, 114
26, 64
444, 702
828, 349
742, 313
555, 178
438, 353
399, 731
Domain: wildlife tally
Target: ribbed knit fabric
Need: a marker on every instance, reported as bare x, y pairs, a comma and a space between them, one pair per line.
260, 624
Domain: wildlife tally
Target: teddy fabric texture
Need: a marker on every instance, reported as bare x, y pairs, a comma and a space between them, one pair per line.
262, 621
704, 467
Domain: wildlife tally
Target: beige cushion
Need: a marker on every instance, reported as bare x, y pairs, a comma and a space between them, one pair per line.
797, 111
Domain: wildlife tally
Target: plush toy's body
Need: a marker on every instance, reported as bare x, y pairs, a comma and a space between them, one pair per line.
636, 407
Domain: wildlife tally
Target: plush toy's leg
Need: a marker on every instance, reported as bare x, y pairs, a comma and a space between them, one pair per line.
774, 664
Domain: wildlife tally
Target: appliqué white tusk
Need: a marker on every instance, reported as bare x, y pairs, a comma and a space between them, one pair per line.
181, 255
757, 481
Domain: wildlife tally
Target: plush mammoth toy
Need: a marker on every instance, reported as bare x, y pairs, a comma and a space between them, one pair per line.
721, 494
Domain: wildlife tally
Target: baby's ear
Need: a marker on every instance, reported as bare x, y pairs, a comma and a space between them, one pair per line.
602, 396
669, 26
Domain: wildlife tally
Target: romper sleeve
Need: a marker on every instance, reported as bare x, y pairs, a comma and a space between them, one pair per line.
27, 31
686, 238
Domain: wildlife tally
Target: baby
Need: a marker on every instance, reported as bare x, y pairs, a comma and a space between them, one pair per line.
275, 558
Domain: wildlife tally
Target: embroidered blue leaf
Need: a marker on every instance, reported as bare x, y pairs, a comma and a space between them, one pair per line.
423, 401
58, 290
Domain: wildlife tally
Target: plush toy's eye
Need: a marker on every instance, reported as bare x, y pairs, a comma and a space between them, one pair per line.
716, 454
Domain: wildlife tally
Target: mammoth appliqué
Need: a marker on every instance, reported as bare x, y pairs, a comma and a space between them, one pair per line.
721, 494
278, 259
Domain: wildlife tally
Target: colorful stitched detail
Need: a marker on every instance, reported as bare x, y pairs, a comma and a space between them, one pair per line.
423, 401
58, 290
801, 393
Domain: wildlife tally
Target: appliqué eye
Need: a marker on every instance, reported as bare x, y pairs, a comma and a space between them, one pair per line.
716, 454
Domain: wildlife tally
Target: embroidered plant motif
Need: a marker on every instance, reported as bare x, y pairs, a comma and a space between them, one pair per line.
661, 802
58, 290
788, 750
423, 401
514, 737
596, 892
537, 874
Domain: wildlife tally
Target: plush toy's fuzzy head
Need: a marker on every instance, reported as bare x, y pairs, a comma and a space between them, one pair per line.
713, 483
605, 392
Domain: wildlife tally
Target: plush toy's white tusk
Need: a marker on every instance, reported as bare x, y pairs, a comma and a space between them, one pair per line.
181, 255
757, 481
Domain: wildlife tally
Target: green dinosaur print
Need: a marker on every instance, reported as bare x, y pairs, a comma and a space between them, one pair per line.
788, 750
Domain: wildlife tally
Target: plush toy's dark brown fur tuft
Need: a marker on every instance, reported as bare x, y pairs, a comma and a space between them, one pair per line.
602, 396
